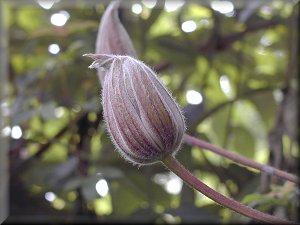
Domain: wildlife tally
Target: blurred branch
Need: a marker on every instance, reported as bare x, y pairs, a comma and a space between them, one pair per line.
242, 95
19, 168
240, 159
84, 140
285, 117
224, 42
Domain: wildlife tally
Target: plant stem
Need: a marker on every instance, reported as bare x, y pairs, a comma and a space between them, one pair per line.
240, 159
176, 167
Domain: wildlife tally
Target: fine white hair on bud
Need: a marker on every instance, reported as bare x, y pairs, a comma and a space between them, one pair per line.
144, 121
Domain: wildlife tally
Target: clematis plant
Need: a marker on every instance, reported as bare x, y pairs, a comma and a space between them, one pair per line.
144, 121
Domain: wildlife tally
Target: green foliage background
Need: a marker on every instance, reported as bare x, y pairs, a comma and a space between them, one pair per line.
64, 148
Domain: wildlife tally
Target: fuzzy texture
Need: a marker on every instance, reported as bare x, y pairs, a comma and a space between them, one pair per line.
144, 121
112, 37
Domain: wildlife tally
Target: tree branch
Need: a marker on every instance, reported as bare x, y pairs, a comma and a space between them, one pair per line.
224, 42
240, 159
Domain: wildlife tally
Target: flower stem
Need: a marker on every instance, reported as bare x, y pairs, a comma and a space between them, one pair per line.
176, 167
240, 159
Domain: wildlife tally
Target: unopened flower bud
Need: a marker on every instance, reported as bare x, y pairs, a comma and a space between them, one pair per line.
144, 121
112, 37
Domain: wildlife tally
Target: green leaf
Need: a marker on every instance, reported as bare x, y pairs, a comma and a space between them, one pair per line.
261, 202
242, 142
145, 184
153, 18
125, 199
266, 106
88, 187
197, 11
29, 18
47, 110
219, 123
248, 199
56, 152
182, 52
18, 62
165, 25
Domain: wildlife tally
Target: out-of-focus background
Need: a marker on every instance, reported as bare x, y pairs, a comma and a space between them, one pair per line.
232, 66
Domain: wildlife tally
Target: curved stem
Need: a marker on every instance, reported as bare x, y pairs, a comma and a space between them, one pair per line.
176, 167
240, 159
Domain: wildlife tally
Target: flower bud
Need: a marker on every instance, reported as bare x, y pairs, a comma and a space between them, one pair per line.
112, 37
144, 121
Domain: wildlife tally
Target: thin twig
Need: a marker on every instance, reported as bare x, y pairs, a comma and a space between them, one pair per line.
240, 159
176, 167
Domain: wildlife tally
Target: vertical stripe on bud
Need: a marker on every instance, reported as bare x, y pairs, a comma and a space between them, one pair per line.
144, 121
112, 37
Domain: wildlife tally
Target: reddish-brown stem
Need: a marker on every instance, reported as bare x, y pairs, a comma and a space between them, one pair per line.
176, 167
240, 159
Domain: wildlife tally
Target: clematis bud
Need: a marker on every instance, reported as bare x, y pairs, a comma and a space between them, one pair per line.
144, 121
112, 37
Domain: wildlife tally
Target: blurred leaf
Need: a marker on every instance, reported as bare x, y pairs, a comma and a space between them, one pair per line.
29, 18
57, 152
64, 169
92, 105
88, 187
165, 25
242, 142
153, 18
53, 174
198, 11
150, 189
25, 80
126, 199
182, 52
212, 90
219, 123
24, 116
47, 111
190, 214
260, 202
147, 215
72, 183
18, 62
278, 196
266, 106
110, 173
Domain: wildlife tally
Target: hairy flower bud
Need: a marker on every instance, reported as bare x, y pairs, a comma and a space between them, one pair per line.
112, 37
144, 121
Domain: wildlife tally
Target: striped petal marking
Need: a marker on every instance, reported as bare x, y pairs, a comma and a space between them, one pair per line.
143, 119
